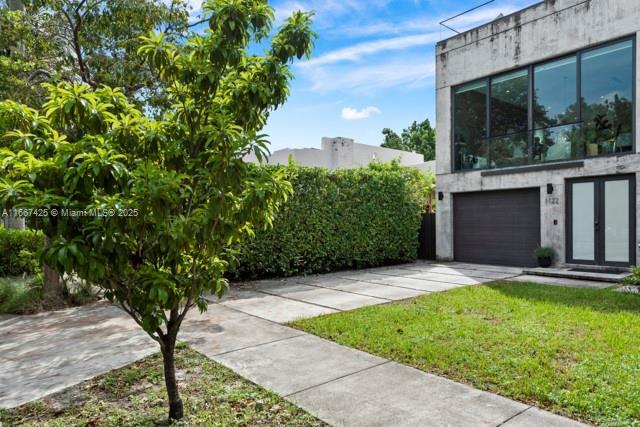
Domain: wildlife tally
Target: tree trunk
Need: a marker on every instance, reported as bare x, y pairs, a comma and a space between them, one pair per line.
175, 403
52, 284
12, 221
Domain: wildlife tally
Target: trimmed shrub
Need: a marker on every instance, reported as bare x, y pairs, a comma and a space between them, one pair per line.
349, 218
19, 251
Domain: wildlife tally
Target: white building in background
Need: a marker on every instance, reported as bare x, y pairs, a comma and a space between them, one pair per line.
343, 153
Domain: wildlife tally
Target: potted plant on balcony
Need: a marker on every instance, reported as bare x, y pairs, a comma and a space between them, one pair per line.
545, 256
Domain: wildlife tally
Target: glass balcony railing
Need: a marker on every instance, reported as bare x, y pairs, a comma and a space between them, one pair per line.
555, 144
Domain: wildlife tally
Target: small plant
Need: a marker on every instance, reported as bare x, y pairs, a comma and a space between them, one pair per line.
19, 251
634, 278
20, 295
545, 256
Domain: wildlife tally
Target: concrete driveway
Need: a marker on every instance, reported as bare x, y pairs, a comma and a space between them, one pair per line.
48, 352
284, 300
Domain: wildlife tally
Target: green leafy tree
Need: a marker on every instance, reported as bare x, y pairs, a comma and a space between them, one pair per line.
419, 138
166, 198
27, 55
94, 41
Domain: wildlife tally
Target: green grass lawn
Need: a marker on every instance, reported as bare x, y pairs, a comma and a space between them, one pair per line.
135, 396
573, 351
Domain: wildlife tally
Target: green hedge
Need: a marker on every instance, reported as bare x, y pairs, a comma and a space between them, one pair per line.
19, 251
348, 218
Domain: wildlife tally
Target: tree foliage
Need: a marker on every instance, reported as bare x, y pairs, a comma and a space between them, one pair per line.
93, 41
147, 209
419, 138
27, 55
18, 251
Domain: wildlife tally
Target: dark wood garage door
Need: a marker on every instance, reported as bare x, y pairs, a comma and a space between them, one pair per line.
497, 227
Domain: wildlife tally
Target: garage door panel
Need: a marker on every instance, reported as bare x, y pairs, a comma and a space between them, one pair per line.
497, 227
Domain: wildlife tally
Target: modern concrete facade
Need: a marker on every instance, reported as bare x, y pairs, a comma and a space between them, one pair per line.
342, 153
543, 32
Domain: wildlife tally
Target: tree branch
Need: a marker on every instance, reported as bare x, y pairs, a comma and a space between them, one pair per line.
75, 31
38, 72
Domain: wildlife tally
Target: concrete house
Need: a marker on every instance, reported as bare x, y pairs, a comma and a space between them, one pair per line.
537, 140
344, 153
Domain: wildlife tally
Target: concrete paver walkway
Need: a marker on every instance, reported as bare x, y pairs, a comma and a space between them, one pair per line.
47, 352
243, 331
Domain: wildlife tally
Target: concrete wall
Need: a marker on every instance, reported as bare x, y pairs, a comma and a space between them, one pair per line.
341, 153
426, 167
540, 32
302, 156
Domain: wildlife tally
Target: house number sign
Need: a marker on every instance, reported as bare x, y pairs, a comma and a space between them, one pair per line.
552, 200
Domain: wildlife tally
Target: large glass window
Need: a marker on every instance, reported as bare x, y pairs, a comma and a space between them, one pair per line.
470, 125
509, 103
607, 98
570, 108
555, 93
509, 150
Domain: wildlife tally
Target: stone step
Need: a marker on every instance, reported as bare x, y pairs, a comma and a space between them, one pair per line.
571, 273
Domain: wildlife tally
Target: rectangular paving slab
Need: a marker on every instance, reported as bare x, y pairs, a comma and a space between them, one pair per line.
364, 276
275, 308
217, 337
396, 395
415, 283
377, 290
458, 271
48, 352
331, 298
296, 364
448, 278
534, 417
483, 267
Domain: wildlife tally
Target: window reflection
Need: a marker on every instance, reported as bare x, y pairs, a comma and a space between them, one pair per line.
557, 143
511, 150
509, 103
555, 93
607, 92
470, 117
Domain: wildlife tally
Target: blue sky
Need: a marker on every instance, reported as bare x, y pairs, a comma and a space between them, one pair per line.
372, 67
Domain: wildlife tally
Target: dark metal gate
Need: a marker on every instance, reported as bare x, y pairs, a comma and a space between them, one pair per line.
427, 248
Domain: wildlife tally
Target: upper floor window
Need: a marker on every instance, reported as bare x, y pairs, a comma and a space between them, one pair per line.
555, 93
509, 103
607, 98
577, 106
470, 123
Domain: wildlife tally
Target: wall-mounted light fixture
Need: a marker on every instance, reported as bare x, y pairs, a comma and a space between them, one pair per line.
549, 188
440, 195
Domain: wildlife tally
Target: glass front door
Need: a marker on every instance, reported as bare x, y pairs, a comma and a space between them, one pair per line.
601, 221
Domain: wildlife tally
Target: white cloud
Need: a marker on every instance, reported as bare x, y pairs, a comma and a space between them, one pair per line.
429, 23
285, 10
400, 55
357, 51
405, 71
326, 11
349, 113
